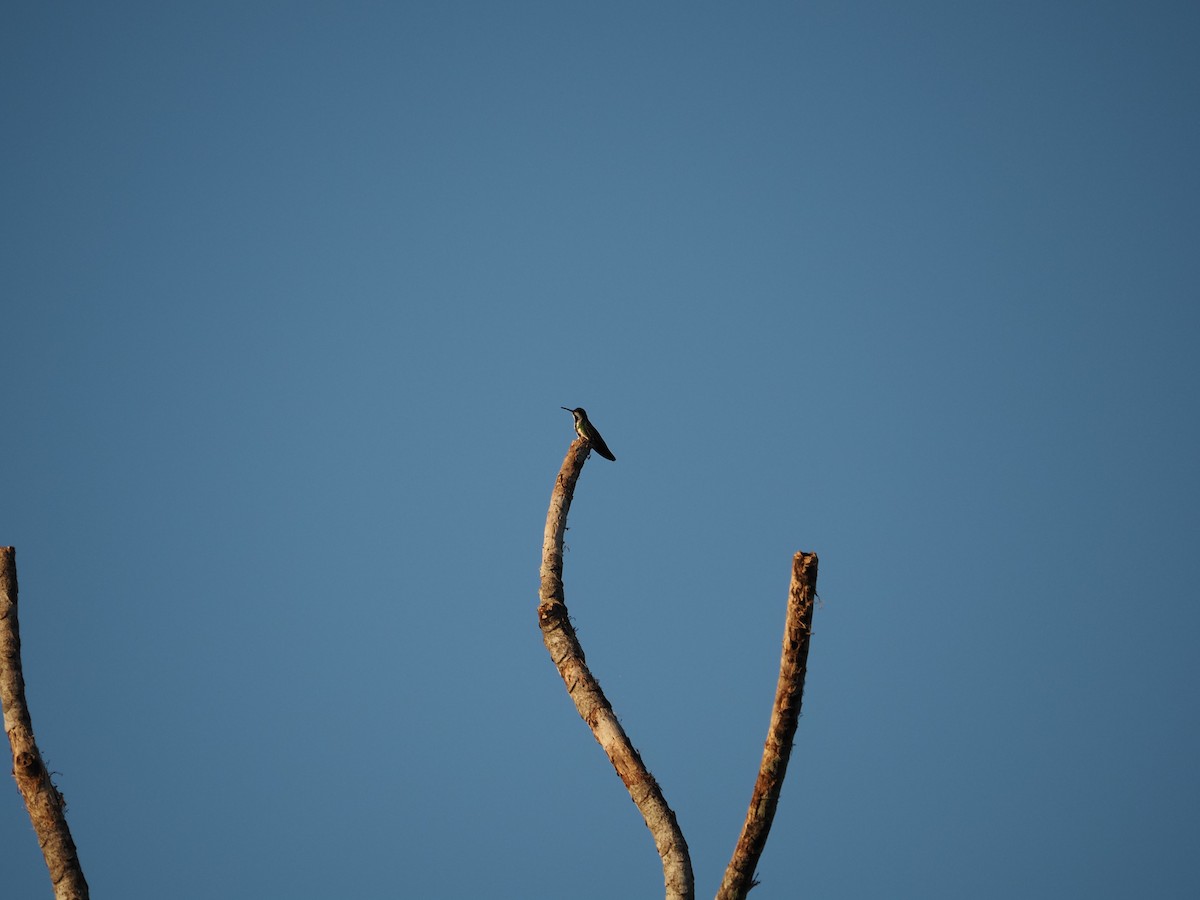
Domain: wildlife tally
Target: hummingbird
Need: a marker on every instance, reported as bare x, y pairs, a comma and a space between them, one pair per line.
588, 432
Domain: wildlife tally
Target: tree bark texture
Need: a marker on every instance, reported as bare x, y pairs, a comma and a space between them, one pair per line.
43, 801
739, 875
567, 655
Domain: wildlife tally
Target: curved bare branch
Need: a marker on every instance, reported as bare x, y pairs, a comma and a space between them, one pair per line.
567, 655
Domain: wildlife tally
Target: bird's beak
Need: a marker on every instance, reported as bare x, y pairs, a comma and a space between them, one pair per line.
568, 410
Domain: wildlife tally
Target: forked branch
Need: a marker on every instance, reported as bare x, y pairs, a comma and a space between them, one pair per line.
593, 706
42, 799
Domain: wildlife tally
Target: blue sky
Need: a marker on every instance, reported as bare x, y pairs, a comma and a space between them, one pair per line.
292, 295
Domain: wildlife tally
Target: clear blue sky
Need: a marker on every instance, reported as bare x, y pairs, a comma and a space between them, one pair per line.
293, 292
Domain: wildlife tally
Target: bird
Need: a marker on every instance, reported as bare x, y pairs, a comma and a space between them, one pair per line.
588, 432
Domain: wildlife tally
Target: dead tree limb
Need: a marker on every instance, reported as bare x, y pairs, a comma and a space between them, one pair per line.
593, 706
42, 799
739, 875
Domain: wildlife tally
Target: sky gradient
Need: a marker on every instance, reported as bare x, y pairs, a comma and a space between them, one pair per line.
292, 295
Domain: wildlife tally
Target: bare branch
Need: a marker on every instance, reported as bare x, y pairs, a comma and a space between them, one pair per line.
567, 655
42, 799
789, 694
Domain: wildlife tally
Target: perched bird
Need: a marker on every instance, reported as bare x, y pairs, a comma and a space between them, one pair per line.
588, 432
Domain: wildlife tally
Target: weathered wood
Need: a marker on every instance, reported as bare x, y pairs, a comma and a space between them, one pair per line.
46, 807
789, 694
567, 655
